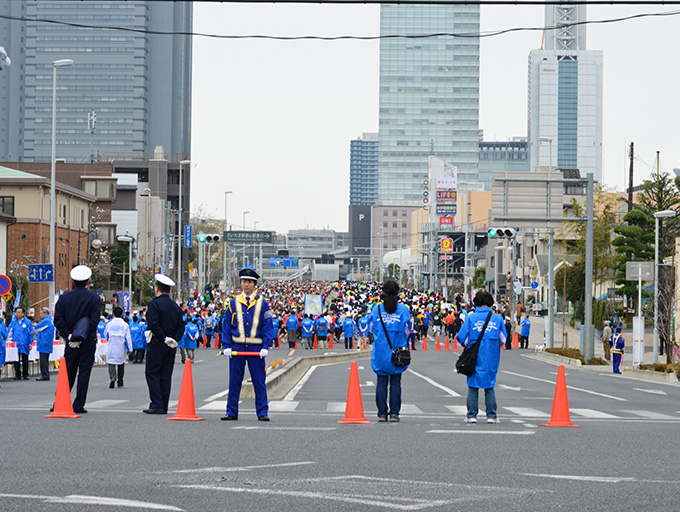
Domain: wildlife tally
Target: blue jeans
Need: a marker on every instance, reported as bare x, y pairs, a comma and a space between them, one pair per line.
395, 394
473, 402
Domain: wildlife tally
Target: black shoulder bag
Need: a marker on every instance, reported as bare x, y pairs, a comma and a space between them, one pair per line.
401, 356
468, 359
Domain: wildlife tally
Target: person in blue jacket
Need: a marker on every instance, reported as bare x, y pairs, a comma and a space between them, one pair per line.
275, 331
45, 342
21, 332
191, 334
210, 325
362, 325
397, 320
292, 329
3, 340
618, 345
525, 325
321, 326
247, 328
488, 358
101, 326
308, 332
349, 329
138, 340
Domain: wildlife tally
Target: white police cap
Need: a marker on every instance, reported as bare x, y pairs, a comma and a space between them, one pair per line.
164, 280
81, 273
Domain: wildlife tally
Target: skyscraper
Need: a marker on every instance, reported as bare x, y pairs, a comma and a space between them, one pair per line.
363, 170
138, 84
429, 97
565, 96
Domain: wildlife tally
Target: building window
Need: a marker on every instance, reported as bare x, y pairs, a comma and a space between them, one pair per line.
7, 204
385, 224
102, 189
385, 213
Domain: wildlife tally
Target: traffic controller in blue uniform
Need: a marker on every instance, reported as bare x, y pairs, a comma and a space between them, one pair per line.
618, 345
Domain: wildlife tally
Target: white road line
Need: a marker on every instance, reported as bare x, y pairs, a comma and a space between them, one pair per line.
583, 478
527, 412
291, 394
105, 403
410, 409
375, 501
215, 405
435, 384
652, 415
217, 395
369, 383
569, 387
239, 468
335, 407
93, 500
652, 391
589, 413
288, 429
280, 406
509, 387
461, 410
484, 432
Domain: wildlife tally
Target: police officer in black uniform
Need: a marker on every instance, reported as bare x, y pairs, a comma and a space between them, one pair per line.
164, 320
76, 316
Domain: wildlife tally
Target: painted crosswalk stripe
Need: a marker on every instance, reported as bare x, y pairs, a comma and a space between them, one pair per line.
217, 405
100, 404
653, 415
527, 412
283, 406
461, 410
335, 407
589, 413
410, 409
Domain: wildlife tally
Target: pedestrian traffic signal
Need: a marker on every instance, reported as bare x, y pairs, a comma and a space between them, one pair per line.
501, 232
209, 238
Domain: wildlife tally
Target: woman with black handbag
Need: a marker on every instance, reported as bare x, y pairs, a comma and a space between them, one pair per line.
483, 331
390, 356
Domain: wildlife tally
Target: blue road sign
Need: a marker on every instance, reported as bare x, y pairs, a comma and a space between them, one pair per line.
275, 262
291, 262
534, 285
40, 273
187, 236
5, 285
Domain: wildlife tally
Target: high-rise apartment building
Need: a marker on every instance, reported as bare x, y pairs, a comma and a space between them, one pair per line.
363, 170
138, 84
565, 96
429, 97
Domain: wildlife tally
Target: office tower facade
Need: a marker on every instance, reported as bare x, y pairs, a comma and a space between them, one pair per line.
502, 156
429, 97
137, 84
565, 96
363, 170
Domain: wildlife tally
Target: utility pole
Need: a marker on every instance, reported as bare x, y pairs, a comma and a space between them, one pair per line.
630, 179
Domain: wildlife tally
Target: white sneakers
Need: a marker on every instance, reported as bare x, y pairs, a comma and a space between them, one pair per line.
474, 420
470, 420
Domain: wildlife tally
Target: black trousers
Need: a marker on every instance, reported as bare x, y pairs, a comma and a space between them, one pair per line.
45, 366
160, 361
22, 363
79, 362
138, 355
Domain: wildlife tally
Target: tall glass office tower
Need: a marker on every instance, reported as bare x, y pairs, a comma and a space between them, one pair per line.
139, 85
429, 97
363, 170
565, 96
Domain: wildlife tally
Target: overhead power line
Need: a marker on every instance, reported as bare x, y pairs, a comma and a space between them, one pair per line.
342, 37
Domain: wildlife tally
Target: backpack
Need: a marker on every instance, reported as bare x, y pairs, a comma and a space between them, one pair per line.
209, 323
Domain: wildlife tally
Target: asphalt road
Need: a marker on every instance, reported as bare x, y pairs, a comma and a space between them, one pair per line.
622, 457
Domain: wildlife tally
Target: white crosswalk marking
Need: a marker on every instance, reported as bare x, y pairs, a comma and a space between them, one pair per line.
461, 410
410, 409
335, 407
527, 412
589, 413
652, 415
283, 406
100, 404
217, 405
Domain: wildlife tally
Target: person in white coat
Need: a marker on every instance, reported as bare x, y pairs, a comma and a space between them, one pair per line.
117, 332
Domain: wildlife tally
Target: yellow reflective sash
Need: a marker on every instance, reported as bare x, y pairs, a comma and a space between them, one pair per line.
241, 324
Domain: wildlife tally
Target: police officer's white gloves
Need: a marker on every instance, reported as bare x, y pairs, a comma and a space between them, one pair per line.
264, 352
170, 342
227, 352
73, 344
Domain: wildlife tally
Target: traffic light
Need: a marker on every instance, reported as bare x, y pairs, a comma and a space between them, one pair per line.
501, 233
209, 238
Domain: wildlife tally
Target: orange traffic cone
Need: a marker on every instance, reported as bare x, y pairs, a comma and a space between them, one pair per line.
446, 345
455, 343
425, 342
316, 344
62, 398
560, 411
515, 340
295, 344
354, 409
330, 341
278, 341
437, 346
186, 408
205, 341
364, 347
351, 343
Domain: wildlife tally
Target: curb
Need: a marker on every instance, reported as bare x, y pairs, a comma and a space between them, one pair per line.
283, 379
567, 361
668, 378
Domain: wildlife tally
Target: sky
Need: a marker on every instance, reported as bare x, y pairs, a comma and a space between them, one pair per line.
272, 120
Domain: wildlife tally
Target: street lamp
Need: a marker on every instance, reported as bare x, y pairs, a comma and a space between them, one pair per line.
53, 175
665, 214
179, 227
128, 240
244, 220
224, 248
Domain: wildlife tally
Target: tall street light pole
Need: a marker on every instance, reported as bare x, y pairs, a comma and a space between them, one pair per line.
665, 214
244, 228
53, 176
180, 237
128, 239
224, 249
